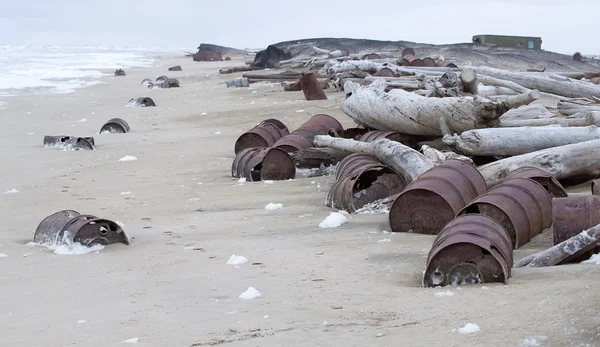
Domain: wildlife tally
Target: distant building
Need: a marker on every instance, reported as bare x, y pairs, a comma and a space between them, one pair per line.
510, 41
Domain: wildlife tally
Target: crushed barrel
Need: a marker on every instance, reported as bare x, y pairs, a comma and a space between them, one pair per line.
140, 102
175, 68
68, 227
362, 179
521, 205
405, 139
311, 87
571, 216
551, 184
115, 126
435, 197
265, 134
302, 138
260, 164
72, 143
471, 249
595, 187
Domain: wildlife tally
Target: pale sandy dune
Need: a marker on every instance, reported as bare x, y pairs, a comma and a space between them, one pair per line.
172, 286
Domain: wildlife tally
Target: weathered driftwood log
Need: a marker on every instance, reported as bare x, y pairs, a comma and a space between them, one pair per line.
401, 158
468, 78
570, 89
496, 82
362, 65
579, 159
488, 91
534, 111
576, 120
413, 114
438, 157
570, 107
564, 250
315, 157
517, 141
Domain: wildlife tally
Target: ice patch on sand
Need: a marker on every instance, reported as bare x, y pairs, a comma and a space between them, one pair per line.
271, 206
2, 255
533, 341
237, 260
446, 293
334, 220
12, 191
128, 158
132, 340
249, 294
384, 240
126, 193
595, 260
470, 328
81, 321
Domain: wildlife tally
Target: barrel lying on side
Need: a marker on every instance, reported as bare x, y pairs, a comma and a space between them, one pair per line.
521, 205
302, 138
362, 179
405, 139
471, 249
265, 134
140, 102
68, 227
260, 164
115, 126
572, 215
551, 184
434, 199
72, 143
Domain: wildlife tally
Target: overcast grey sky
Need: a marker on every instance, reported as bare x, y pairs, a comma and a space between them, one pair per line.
565, 26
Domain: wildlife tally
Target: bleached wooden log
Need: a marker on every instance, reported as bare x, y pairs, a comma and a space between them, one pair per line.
404, 159
556, 254
491, 81
438, 157
362, 65
544, 84
579, 159
488, 91
577, 120
320, 50
517, 141
468, 78
570, 107
534, 111
413, 114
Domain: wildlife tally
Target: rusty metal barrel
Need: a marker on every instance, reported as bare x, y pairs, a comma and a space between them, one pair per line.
408, 51
115, 126
69, 226
443, 63
370, 56
571, 216
470, 249
259, 164
385, 72
521, 205
404, 139
141, 102
175, 68
302, 138
429, 62
595, 187
311, 87
434, 199
265, 134
411, 60
551, 184
362, 179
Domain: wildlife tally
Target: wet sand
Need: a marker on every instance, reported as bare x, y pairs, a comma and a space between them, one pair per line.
172, 287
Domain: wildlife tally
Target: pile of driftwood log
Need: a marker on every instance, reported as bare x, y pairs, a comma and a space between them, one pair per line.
458, 153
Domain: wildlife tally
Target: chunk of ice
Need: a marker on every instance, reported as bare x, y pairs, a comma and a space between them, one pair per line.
237, 260
334, 220
249, 294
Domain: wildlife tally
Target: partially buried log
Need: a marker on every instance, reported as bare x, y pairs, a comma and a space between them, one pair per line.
520, 140
399, 157
575, 160
317, 157
413, 114
564, 250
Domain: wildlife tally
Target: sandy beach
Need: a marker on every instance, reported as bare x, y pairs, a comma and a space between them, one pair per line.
356, 285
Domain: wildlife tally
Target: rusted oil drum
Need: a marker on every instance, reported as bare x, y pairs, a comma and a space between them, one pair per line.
362, 179
434, 199
322, 121
370, 56
408, 51
404, 139
385, 72
571, 216
162, 78
141, 102
443, 63
471, 249
411, 60
429, 62
595, 187
311, 87
258, 164
292, 143
59, 140
551, 184
302, 138
68, 226
521, 205
175, 68
264, 134
115, 126
350, 133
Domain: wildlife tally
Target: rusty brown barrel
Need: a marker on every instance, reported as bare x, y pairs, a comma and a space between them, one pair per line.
429, 62
408, 51
385, 72
68, 227
311, 88
175, 68
349, 133
302, 138
444, 63
571, 216
404, 139
115, 126
434, 199
260, 164
265, 134
521, 205
362, 179
595, 187
370, 56
411, 60
551, 184
471, 249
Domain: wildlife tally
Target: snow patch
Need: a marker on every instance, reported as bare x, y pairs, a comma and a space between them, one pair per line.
470, 328
128, 158
218, 133
334, 220
595, 260
249, 294
237, 260
533, 341
271, 206
82, 120
203, 114
446, 293
12, 191
126, 193
133, 340
384, 240
242, 180
298, 111
2, 255
81, 321
268, 182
